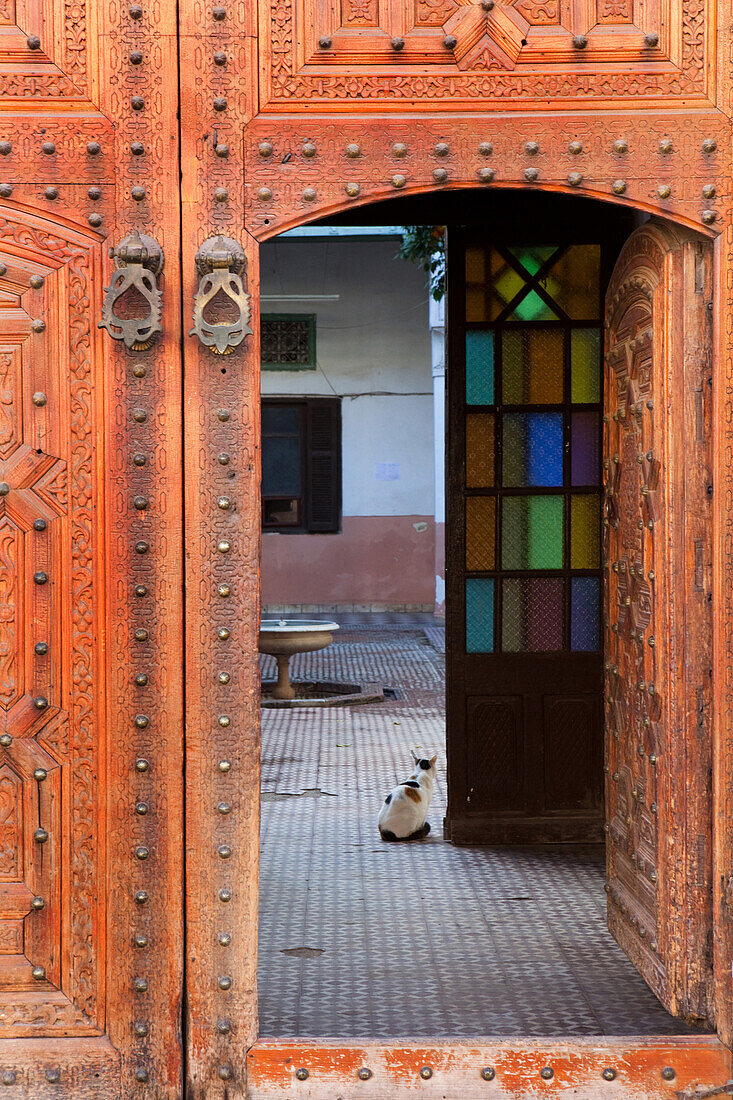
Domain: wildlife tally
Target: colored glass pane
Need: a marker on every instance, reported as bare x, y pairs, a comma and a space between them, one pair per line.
585, 436
533, 257
479, 615
532, 449
532, 366
479, 367
585, 532
532, 308
479, 450
480, 533
532, 532
576, 281
585, 366
532, 614
585, 614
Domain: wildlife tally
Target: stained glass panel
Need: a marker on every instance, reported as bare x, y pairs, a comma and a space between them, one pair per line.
585, 366
532, 532
532, 614
532, 449
532, 308
585, 614
585, 532
532, 366
479, 450
480, 533
585, 448
479, 615
576, 281
479, 367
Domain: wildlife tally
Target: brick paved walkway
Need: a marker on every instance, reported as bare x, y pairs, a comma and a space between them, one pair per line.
361, 938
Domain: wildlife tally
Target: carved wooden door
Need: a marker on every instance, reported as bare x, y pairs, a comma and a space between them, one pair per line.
658, 553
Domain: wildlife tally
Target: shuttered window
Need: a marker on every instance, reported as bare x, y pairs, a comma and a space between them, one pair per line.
301, 464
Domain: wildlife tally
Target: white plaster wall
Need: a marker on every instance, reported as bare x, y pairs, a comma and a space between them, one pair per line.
373, 350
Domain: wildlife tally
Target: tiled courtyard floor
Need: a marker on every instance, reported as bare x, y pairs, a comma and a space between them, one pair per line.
361, 938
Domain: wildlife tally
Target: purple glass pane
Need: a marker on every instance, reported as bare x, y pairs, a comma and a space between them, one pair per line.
584, 448
545, 613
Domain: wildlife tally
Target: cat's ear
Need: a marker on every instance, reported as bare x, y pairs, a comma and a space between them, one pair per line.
433, 759
414, 755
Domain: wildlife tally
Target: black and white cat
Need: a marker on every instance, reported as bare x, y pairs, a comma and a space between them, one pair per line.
405, 809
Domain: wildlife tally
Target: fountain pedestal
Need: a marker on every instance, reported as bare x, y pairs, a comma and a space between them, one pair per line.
281, 638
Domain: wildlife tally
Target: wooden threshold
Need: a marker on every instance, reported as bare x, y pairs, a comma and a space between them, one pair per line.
624, 1068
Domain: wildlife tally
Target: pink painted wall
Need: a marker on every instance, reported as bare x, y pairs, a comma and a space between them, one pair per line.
373, 560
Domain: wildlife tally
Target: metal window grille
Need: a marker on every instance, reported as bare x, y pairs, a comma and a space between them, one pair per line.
288, 341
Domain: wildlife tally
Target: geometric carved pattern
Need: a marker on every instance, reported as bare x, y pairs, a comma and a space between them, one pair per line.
493, 753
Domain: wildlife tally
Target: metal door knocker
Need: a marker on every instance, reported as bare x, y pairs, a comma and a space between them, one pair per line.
139, 260
221, 263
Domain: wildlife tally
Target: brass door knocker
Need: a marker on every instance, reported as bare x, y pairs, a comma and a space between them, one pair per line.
139, 260
221, 263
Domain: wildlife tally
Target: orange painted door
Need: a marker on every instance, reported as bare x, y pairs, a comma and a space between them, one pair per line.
658, 645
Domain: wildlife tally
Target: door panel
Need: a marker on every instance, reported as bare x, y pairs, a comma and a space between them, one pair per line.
658, 661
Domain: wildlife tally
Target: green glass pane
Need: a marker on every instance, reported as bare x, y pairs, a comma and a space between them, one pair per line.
479, 615
585, 534
533, 257
576, 276
479, 368
532, 308
532, 532
585, 365
532, 368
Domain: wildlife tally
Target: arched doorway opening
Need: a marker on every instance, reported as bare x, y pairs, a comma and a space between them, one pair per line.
507, 249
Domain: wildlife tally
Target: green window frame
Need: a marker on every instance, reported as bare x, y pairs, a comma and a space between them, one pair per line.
305, 360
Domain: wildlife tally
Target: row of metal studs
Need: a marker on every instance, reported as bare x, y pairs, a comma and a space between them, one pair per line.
488, 1073
579, 41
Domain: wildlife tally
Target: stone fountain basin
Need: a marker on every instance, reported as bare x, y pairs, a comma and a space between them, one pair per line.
283, 637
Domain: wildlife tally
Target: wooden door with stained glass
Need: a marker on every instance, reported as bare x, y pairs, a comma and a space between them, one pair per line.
524, 520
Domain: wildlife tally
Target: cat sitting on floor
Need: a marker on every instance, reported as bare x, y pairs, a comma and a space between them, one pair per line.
403, 813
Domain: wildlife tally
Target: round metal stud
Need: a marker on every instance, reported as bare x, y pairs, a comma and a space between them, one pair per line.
485, 149
138, 193
450, 42
532, 148
664, 191
48, 148
302, 1074
225, 939
137, 148
137, 103
426, 1073
142, 547
579, 41
399, 149
141, 721
223, 634
488, 1073
4, 488
619, 187
94, 148
142, 852
221, 149
224, 851
135, 11
225, 982
224, 721
309, 149
665, 145
51, 193
141, 634
40, 774
225, 895
141, 1029
668, 1074
224, 808
5, 148
220, 57
547, 1073
609, 1074
486, 175
398, 181
142, 897
352, 150
40, 702
225, 766
709, 145
139, 416
309, 194
364, 1074
41, 648
5, 190
224, 590
219, 13
575, 179
39, 326
708, 191
33, 42
140, 940
221, 194
223, 677
575, 147
141, 764
141, 679
141, 809
39, 525
139, 370
141, 985
224, 546
136, 57
139, 459
352, 190
141, 1074
36, 282
487, 5
440, 175
397, 43
264, 194
708, 217
651, 40
37, 903
531, 175
224, 503
38, 974
40, 836
621, 146
5, 740
53, 1076
225, 1073
324, 43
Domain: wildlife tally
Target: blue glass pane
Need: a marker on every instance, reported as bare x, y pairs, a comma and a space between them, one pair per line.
479, 368
533, 449
479, 615
585, 606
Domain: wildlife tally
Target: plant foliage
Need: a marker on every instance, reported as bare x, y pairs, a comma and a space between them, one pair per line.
424, 245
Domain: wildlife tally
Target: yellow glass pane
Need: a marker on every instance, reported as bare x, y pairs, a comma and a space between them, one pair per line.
479, 450
475, 265
532, 366
585, 365
585, 532
576, 281
480, 533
